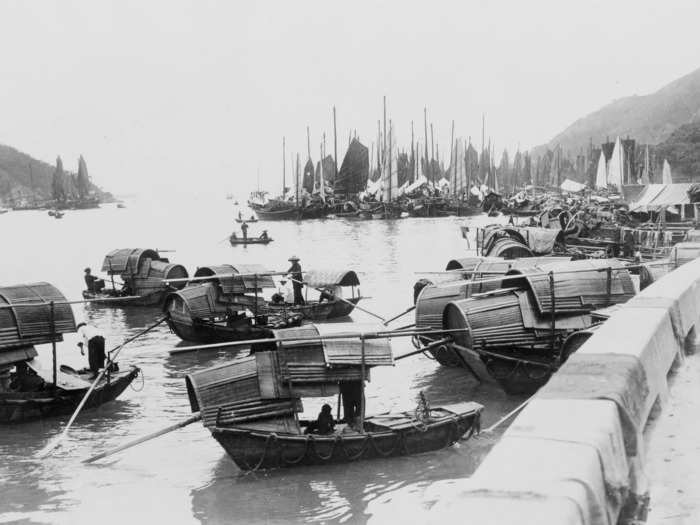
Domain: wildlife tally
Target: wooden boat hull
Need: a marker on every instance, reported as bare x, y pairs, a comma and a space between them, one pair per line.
18, 407
290, 214
317, 311
106, 299
206, 332
254, 240
258, 449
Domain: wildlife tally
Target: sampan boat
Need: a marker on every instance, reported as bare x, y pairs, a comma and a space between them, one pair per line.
241, 221
227, 307
144, 274
235, 241
250, 405
51, 401
384, 436
33, 314
317, 310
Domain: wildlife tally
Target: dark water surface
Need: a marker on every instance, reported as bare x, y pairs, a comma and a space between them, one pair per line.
185, 477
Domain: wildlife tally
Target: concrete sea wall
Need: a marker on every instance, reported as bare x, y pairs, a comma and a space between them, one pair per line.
575, 454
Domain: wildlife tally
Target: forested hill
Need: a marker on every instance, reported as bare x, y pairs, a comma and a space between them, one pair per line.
22, 176
650, 119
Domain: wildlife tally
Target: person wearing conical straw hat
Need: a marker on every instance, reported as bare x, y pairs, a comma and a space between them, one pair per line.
296, 274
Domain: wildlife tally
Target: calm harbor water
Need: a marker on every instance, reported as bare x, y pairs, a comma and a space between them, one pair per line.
185, 477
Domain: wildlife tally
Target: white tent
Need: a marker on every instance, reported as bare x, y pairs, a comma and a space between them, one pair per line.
572, 186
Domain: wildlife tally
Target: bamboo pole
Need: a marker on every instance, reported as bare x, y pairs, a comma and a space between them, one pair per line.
54, 443
387, 334
52, 319
129, 444
362, 383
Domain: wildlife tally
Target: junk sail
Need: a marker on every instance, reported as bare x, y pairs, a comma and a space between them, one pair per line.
616, 166
601, 177
354, 171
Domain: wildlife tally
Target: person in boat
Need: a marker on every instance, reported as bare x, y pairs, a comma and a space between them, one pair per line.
25, 379
244, 230
252, 218
240, 215
351, 392
93, 339
324, 424
94, 284
326, 295
264, 235
296, 276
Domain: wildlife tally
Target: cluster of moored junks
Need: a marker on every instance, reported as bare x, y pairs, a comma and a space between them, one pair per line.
513, 321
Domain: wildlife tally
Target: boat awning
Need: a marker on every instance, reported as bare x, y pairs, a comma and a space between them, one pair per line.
657, 196
343, 352
323, 278
127, 260
226, 275
25, 315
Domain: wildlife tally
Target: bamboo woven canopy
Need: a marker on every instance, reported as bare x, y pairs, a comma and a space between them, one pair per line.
33, 313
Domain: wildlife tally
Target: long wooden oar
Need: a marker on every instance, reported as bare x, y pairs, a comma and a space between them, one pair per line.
400, 315
194, 417
344, 300
57, 441
509, 415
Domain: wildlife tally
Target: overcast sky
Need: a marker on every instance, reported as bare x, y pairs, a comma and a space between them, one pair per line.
197, 95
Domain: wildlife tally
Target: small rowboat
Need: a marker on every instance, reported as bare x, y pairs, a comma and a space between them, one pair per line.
50, 401
241, 221
250, 240
155, 298
384, 436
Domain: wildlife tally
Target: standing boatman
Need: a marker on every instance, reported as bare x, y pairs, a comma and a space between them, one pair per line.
296, 275
244, 229
95, 342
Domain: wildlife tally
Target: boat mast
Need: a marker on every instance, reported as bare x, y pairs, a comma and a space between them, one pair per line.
335, 152
413, 155
384, 143
284, 166
425, 133
308, 143
452, 160
296, 189
432, 152
390, 172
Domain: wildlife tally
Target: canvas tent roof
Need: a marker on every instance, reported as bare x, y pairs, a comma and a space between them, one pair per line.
656, 196
572, 186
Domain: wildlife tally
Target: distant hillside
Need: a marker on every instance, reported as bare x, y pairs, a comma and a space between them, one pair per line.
649, 119
682, 149
22, 176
